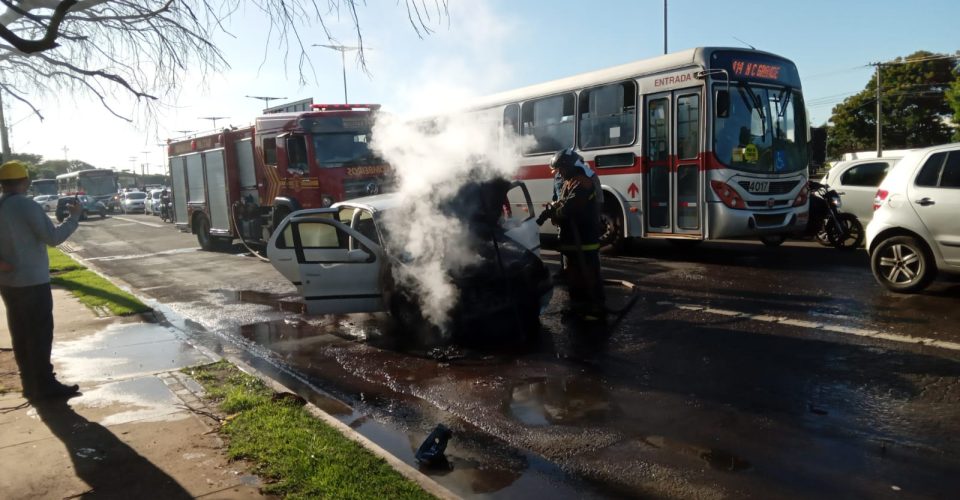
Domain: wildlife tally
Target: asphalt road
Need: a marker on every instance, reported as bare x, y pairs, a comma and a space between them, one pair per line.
742, 371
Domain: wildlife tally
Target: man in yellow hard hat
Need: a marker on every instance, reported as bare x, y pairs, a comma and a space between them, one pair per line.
25, 232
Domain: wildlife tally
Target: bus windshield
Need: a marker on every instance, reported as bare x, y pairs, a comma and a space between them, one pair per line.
343, 149
44, 186
100, 185
765, 131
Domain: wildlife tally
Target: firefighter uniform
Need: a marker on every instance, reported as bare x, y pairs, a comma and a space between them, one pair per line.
577, 214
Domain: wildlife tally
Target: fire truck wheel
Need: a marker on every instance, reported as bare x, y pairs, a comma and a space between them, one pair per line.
201, 227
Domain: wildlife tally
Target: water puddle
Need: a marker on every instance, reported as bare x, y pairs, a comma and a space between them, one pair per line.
717, 459
560, 401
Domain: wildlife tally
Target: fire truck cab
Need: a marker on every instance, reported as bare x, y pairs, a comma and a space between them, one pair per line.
241, 182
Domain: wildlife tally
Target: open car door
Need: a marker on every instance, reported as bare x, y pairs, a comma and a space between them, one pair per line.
313, 251
520, 220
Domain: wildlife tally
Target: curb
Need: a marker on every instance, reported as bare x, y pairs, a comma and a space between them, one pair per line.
429, 485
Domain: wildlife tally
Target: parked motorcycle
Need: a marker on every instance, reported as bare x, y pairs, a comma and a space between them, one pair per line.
827, 223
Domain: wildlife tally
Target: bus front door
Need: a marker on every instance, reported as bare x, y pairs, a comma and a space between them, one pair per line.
673, 177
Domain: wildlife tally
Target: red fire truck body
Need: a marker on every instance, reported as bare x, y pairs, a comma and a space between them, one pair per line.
240, 183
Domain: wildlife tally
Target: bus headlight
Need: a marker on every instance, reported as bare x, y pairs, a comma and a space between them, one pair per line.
802, 196
727, 194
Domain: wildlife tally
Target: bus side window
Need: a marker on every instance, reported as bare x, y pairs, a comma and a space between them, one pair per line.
608, 115
550, 122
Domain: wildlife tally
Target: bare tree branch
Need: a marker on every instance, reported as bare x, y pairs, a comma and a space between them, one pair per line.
111, 50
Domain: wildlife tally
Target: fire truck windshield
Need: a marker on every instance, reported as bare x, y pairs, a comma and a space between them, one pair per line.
342, 149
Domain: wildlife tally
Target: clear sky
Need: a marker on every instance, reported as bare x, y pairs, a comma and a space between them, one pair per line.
495, 45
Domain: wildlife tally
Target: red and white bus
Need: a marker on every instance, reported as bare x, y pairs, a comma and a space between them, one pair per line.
705, 143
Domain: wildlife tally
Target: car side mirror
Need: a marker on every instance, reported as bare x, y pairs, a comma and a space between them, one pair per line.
722, 104
357, 256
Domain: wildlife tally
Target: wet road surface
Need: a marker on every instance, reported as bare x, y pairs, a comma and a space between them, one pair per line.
742, 371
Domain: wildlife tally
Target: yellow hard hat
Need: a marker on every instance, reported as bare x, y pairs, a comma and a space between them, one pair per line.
13, 170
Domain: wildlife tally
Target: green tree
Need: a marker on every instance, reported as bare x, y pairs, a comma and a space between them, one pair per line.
914, 107
953, 98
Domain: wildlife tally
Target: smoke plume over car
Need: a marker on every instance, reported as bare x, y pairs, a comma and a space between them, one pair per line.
432, 160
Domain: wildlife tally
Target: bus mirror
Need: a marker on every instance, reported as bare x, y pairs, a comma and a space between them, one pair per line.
722, 104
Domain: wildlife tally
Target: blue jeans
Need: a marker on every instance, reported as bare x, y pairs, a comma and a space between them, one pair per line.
30, 320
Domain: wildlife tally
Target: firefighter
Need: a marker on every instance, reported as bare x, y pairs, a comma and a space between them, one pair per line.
577, 214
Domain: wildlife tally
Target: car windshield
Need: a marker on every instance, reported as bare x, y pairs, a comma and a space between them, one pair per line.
136, 196
764, 132
343, 149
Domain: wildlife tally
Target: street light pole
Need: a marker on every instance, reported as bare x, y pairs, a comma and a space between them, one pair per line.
266, 100
342, 49
146, 161
664, 26
213, 119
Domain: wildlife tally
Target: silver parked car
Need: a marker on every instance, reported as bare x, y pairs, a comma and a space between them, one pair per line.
47, 201
915, 230
857, 181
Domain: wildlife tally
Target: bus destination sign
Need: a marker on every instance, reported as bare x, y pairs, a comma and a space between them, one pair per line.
756, 66
755, 70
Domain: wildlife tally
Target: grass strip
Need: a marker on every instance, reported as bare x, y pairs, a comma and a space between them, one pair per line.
90, 288
299, 456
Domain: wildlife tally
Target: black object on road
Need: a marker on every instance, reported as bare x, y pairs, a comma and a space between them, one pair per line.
430, 453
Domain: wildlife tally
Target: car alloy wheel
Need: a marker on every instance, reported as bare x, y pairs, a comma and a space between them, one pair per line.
902, 264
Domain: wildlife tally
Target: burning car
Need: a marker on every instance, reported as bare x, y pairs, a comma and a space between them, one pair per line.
343, 259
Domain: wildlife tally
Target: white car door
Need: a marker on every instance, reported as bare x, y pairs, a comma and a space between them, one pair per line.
520, 222
858, 185
312, 251
935, 196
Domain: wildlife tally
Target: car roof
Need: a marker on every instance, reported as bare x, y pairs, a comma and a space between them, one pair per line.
375, 203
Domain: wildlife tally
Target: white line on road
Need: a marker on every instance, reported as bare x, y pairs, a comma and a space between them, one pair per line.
860, 332
143, 255
151, 224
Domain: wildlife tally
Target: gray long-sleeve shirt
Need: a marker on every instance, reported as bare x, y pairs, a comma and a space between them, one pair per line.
25, 232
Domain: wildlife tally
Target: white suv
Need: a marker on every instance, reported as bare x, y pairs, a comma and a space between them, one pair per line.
915, 229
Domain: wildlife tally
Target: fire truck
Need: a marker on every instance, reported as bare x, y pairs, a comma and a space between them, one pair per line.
241, 182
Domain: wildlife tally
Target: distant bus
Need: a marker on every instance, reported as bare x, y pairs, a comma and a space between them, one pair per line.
128, 180
43, 186
100, 184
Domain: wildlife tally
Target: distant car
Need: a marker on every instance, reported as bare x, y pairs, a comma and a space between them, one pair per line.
90, 207
152, 205
133, 202
47, 201
915, 231
857, 182
341, 259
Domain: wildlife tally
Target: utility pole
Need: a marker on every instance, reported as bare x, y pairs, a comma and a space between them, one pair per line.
146, 161
3, 132
664, 26
879, 126
342, 49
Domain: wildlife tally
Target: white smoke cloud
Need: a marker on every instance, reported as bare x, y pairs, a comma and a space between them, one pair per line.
432, 161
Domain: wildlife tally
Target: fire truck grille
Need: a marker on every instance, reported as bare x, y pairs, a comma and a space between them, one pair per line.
356, 188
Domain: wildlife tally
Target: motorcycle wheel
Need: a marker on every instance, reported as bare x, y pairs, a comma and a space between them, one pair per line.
853, 233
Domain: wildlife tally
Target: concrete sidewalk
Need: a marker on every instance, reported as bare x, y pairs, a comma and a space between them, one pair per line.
138, 429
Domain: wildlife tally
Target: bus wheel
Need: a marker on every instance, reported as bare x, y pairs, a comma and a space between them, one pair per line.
773, 240
201, 226
611, 227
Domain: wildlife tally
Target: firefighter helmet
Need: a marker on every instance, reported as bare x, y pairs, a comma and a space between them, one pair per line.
566, 159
